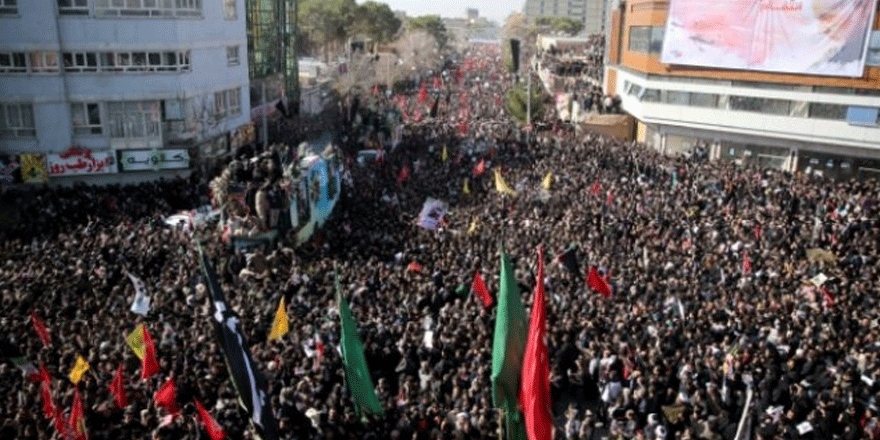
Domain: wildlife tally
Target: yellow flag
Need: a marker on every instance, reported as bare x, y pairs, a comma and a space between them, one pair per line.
445, 154
501, 185
548, 179
473, 226
466, 189
79, 369
135, 340
279, 325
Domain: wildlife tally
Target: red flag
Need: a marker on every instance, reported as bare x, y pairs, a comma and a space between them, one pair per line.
48, 404
829, 298
479, 287
60, 424
534, 392
747, 263
480, 168
609, 198
150, 365
215, 431
423, 94
462, 128
319, 349
404, 174
758, 231
417, 116
76, 423
117, 387
40, 327
44, 374
414, 267
597, 188
166, 397
598, 283
438, 83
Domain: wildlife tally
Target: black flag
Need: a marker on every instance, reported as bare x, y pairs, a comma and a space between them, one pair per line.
569, 260
434, 107
249, 383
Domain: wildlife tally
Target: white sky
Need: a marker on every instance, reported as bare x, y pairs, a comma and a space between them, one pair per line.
495, 10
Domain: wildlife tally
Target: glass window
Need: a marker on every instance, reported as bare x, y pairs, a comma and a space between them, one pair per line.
17, 120
134, 119
148, 8
675, 97
233, 99
86, 118
639, 39
656, 46
651, 95
73, 7
220, 104
13, 62
44, 62
704, 99
820, 110
229, 12
232, 55
8, 6
873, 58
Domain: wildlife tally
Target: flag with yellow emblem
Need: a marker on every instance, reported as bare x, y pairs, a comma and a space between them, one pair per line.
135, 341
79, 369
548, 180
33, 168
279, 325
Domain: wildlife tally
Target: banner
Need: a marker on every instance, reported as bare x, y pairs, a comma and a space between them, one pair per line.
10, 170
431, 216
33, 168
815, 37
81, 161
153, 160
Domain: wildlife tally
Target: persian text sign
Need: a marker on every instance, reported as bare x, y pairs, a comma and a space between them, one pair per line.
152, 160
81, 162
814, 37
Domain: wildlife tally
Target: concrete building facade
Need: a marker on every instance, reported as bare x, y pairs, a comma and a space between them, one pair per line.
590, 12
112, 87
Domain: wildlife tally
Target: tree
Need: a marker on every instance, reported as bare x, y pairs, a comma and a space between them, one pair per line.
433, 25
563, 25
326, 22
376, 21
517, 101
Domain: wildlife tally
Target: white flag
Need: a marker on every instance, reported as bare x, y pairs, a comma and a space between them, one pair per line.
141, 304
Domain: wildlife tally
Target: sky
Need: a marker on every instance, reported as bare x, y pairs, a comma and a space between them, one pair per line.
495, 10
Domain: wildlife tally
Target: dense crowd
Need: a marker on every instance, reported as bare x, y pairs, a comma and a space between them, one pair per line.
690, 331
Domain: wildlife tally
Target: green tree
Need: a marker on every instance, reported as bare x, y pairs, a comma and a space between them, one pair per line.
564, 25
376, 21
326, 22
433, 26
517, 101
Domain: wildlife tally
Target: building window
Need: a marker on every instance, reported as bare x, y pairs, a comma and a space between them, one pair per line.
704, 99
220, 105
233, 98
73, 7
232, 55
13, 62
873, 58
134, 119
675, 97
44, 62
80, 61
171, 61
760, 105
17, 120
229, 12
656, 46
86, 118
821, 110
639, 39
650, 95
9, 7
148, 8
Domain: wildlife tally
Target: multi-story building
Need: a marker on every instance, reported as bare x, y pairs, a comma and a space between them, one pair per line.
272, 57
590, 12
794, 85
135, 88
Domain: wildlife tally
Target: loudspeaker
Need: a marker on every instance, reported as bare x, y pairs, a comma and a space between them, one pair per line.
514, 53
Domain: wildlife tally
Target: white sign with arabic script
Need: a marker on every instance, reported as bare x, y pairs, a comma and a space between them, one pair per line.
152, 160
81, 163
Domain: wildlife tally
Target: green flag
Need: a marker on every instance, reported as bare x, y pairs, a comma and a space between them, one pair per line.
507, 351
356, 372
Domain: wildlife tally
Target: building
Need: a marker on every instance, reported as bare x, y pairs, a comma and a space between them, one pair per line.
108, 91
472, 27
590, 12
271, 51
790, 98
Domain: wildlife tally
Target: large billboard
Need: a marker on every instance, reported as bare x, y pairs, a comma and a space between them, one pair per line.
815, 37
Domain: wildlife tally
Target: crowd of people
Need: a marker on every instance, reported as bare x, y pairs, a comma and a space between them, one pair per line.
739, 294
